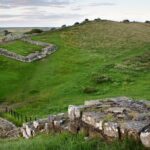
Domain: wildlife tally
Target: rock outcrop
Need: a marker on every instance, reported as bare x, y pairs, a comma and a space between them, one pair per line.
145, 136
53, 124
8, 129
114, 118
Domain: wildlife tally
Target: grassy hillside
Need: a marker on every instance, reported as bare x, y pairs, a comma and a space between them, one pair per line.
20, 47
94, 60
67, 142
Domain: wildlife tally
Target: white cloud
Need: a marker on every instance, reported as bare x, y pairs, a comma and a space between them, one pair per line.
58, 12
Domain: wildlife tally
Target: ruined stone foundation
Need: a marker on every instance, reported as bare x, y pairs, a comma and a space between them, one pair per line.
114, 118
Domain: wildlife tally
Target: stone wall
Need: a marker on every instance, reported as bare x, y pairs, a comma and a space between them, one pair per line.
8, 130
12, 55
12, 37
35, 42
49, 49
114, 118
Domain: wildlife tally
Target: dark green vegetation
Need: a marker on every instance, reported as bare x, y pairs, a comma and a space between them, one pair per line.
67, 142
107, 57
20, 47
34, 31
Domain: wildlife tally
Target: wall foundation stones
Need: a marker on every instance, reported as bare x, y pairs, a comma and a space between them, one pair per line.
115, 118
47, 50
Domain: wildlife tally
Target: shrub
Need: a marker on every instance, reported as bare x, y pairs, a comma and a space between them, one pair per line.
86, 20
63, 26
101, 79
89, 90
128, 80
126, 21
97, 19
76, 23
34, 92
34, 31
6, 32
147, 21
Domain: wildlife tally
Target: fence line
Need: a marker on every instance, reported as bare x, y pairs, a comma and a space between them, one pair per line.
18, 116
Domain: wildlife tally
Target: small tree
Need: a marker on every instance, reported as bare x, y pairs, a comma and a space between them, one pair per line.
126, 21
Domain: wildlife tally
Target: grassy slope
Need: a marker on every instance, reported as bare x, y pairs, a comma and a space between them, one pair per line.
50, 85
67, 142
21, 47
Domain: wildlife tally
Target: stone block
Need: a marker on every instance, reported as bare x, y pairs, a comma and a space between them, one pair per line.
111, 130
145, 137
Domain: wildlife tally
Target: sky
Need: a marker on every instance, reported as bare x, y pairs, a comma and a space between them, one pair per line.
52, 13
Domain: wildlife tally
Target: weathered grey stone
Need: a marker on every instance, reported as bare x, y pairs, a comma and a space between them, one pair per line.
142, 117
94, 119
92, 102
15, 133
12, 36
8, 129
58, 123
132, 128
147, 103
145, 137
6, 125
116, 110
29, 128
30, 131
119, 99
24, 133
111, 129
38, 124
35, 42
46, 128
75, 112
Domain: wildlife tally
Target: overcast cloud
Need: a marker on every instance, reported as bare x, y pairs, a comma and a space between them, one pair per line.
59, 12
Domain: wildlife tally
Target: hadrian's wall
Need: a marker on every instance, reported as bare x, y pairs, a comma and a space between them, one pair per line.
47, 50
113, 118
109, 119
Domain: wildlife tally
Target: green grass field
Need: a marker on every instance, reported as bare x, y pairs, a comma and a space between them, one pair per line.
20, 47
94, 60
66, 141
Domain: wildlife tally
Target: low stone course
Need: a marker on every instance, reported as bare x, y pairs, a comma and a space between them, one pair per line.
47, 50
113, 118
8, 129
